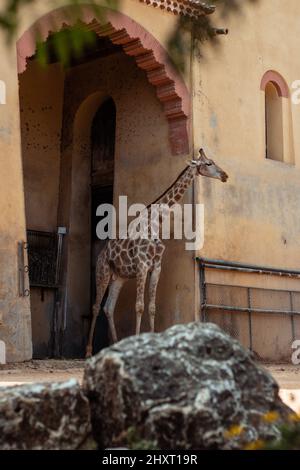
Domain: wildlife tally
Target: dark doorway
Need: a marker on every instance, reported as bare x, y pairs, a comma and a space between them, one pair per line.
104, 134
102, 177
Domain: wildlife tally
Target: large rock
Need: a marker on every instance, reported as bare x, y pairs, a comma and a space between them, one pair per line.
191, 387
44, 416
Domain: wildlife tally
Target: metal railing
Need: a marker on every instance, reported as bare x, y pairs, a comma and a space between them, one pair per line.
246, 298
44, 250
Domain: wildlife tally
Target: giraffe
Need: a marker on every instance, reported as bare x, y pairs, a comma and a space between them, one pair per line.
129, 258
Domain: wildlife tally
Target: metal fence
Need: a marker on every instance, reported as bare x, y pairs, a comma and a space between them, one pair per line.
235, 308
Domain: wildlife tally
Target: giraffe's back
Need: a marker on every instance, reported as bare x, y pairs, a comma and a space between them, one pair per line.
125, 257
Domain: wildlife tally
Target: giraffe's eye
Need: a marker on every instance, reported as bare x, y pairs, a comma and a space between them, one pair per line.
209, 164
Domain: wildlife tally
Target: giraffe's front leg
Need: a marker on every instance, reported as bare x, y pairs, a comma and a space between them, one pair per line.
140, 291
154, 278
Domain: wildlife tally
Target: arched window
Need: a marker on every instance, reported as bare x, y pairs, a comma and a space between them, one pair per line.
274, 123
2, 92
277, 118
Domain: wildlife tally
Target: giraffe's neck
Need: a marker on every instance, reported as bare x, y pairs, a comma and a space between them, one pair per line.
177, 190
171, 196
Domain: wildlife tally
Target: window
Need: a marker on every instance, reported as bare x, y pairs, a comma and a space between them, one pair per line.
274, 124
277, 114
2, 92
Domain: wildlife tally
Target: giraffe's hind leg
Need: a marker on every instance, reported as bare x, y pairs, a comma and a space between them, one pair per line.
109, 308
154, 278
103, 276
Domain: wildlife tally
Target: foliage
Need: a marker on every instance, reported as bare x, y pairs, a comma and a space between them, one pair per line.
290, 438
73, 41
66, 43
11, 12
289, 433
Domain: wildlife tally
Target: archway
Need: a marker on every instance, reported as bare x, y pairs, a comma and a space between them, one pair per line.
58, 109
278, 118
92, 184
277, 80
136, 42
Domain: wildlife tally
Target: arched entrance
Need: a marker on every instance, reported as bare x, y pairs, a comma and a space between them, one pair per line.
105, 127
103, 139
136, 42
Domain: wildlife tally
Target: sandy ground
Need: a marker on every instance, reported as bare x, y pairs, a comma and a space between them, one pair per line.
288, 376
41, 371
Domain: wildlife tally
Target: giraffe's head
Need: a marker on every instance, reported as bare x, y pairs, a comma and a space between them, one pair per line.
207, 167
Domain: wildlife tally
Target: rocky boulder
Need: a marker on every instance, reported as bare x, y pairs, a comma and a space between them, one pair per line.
190, 387
44, 416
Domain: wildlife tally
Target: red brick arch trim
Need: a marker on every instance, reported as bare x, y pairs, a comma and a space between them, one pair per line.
149, 54
277, 80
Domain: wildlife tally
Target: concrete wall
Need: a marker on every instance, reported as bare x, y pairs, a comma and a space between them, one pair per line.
254, 217
15, 322
41, 102
255, 213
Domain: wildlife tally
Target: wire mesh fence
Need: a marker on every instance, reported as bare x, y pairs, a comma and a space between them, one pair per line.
264, 320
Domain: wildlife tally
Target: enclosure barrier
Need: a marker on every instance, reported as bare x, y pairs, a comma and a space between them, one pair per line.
44, 257
246, 300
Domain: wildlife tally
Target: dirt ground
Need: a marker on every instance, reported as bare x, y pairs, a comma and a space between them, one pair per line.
41, 371
287, 376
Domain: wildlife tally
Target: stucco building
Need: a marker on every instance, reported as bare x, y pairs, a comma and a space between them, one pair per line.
122, 120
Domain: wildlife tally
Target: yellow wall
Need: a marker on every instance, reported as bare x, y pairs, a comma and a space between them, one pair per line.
254, 217
15, 322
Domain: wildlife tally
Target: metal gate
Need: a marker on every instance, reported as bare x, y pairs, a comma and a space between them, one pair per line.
44, 251
44, 257
221, 303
